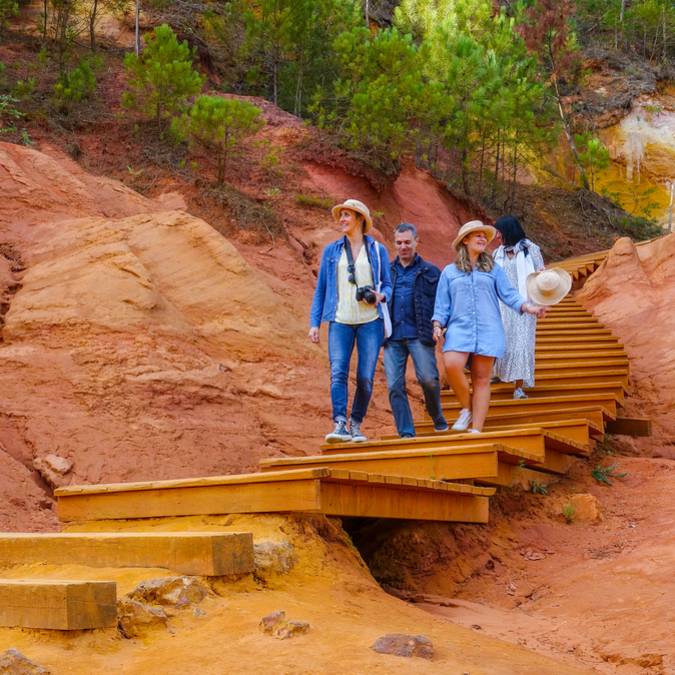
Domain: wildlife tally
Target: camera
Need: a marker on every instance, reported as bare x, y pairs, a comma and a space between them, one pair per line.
366, 294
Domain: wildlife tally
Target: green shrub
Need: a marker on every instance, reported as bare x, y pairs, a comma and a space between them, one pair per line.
603, 474
538, 488
569, 512
313, 202
75, 85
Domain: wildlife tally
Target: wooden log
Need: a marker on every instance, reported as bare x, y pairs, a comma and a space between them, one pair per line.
58, 604
198, 553
630, 426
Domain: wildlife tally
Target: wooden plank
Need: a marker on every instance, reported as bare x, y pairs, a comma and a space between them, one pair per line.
196, 553
565, 340
595, 414
630, 426
592, 355
424, 465
577, 430
544, 404
343, 499
550, 365
207, 481
257, 497
58, 604
529, 440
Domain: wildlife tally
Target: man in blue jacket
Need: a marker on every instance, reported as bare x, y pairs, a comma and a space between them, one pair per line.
414, 284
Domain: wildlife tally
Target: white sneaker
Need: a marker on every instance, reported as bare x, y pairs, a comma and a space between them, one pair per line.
518, 393
340, 434
462, 422
474, 431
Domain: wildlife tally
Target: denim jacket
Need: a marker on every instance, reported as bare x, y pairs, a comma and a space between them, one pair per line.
325, 300
426, 281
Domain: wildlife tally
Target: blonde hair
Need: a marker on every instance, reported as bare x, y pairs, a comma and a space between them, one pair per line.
485, 263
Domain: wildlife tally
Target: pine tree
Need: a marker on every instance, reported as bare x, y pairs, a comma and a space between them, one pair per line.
217, 125
161, 79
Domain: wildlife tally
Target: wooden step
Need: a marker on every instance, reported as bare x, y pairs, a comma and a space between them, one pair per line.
600, 355
550, 365
594, 414
329, 491
504, 390
198, 553
442, 461
531, 439
577, 430
579, 339
544, 404
572, 333
592, 347
582, 377
58, 604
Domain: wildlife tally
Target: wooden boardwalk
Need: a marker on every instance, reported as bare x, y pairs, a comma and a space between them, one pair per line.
581, 381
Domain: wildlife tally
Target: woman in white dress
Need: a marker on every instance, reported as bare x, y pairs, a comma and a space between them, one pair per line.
518, 256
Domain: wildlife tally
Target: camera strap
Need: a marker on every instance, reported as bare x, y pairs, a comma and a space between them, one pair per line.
351, 267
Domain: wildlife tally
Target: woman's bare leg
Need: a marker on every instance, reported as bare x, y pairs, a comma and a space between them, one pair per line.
481, 371
454, 370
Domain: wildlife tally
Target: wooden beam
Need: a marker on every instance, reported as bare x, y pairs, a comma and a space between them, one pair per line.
298, 490
197, 553
58, 604
630, 426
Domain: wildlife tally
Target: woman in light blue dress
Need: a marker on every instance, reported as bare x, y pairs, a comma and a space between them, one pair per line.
467, 318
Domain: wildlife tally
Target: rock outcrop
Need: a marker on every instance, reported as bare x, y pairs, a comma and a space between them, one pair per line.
632, 293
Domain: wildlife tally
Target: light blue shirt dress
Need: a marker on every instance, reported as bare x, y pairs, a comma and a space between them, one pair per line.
467, 304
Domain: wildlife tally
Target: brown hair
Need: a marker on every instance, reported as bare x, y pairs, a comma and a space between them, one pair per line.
485, 263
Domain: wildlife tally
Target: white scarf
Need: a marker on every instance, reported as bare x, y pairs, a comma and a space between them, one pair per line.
524, 263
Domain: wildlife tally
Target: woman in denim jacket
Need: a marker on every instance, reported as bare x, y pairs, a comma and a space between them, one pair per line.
353, 281
467, 312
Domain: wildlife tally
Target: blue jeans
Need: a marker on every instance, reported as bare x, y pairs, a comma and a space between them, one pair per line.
342, 337
424, 359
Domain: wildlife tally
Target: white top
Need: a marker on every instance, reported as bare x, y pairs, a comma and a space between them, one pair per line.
350, 311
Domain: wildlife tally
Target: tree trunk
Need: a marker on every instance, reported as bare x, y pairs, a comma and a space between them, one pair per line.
496, 178
92, 25
367, 13
568, 135
45, 10
137, 39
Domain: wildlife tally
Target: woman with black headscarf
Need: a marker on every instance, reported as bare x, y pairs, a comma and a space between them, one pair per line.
518, 256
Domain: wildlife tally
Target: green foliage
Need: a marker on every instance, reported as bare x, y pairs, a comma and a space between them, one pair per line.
538, 488
161, 80
644, 26
603, 474
75, 85
9, 113
218, 124
569, 512
313, 202
376, 96
8, 9
593, 155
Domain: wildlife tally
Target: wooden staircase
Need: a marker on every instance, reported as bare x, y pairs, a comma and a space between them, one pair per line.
581, 379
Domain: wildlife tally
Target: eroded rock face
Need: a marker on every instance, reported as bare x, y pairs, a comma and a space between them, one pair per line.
632, 294
400, 644
273, 557
13, 662
53, 469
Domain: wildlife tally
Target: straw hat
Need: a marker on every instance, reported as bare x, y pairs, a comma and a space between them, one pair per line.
549, 286
353, 205
474, 226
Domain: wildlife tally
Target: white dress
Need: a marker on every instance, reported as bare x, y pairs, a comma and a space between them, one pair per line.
519, 329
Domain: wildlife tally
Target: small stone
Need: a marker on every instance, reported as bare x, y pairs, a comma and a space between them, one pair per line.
13, 662
135, 619
586, 508
53, 469
291, 629
198, 611
271, 621
273, 557
400, 644
175, 592
276, 625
